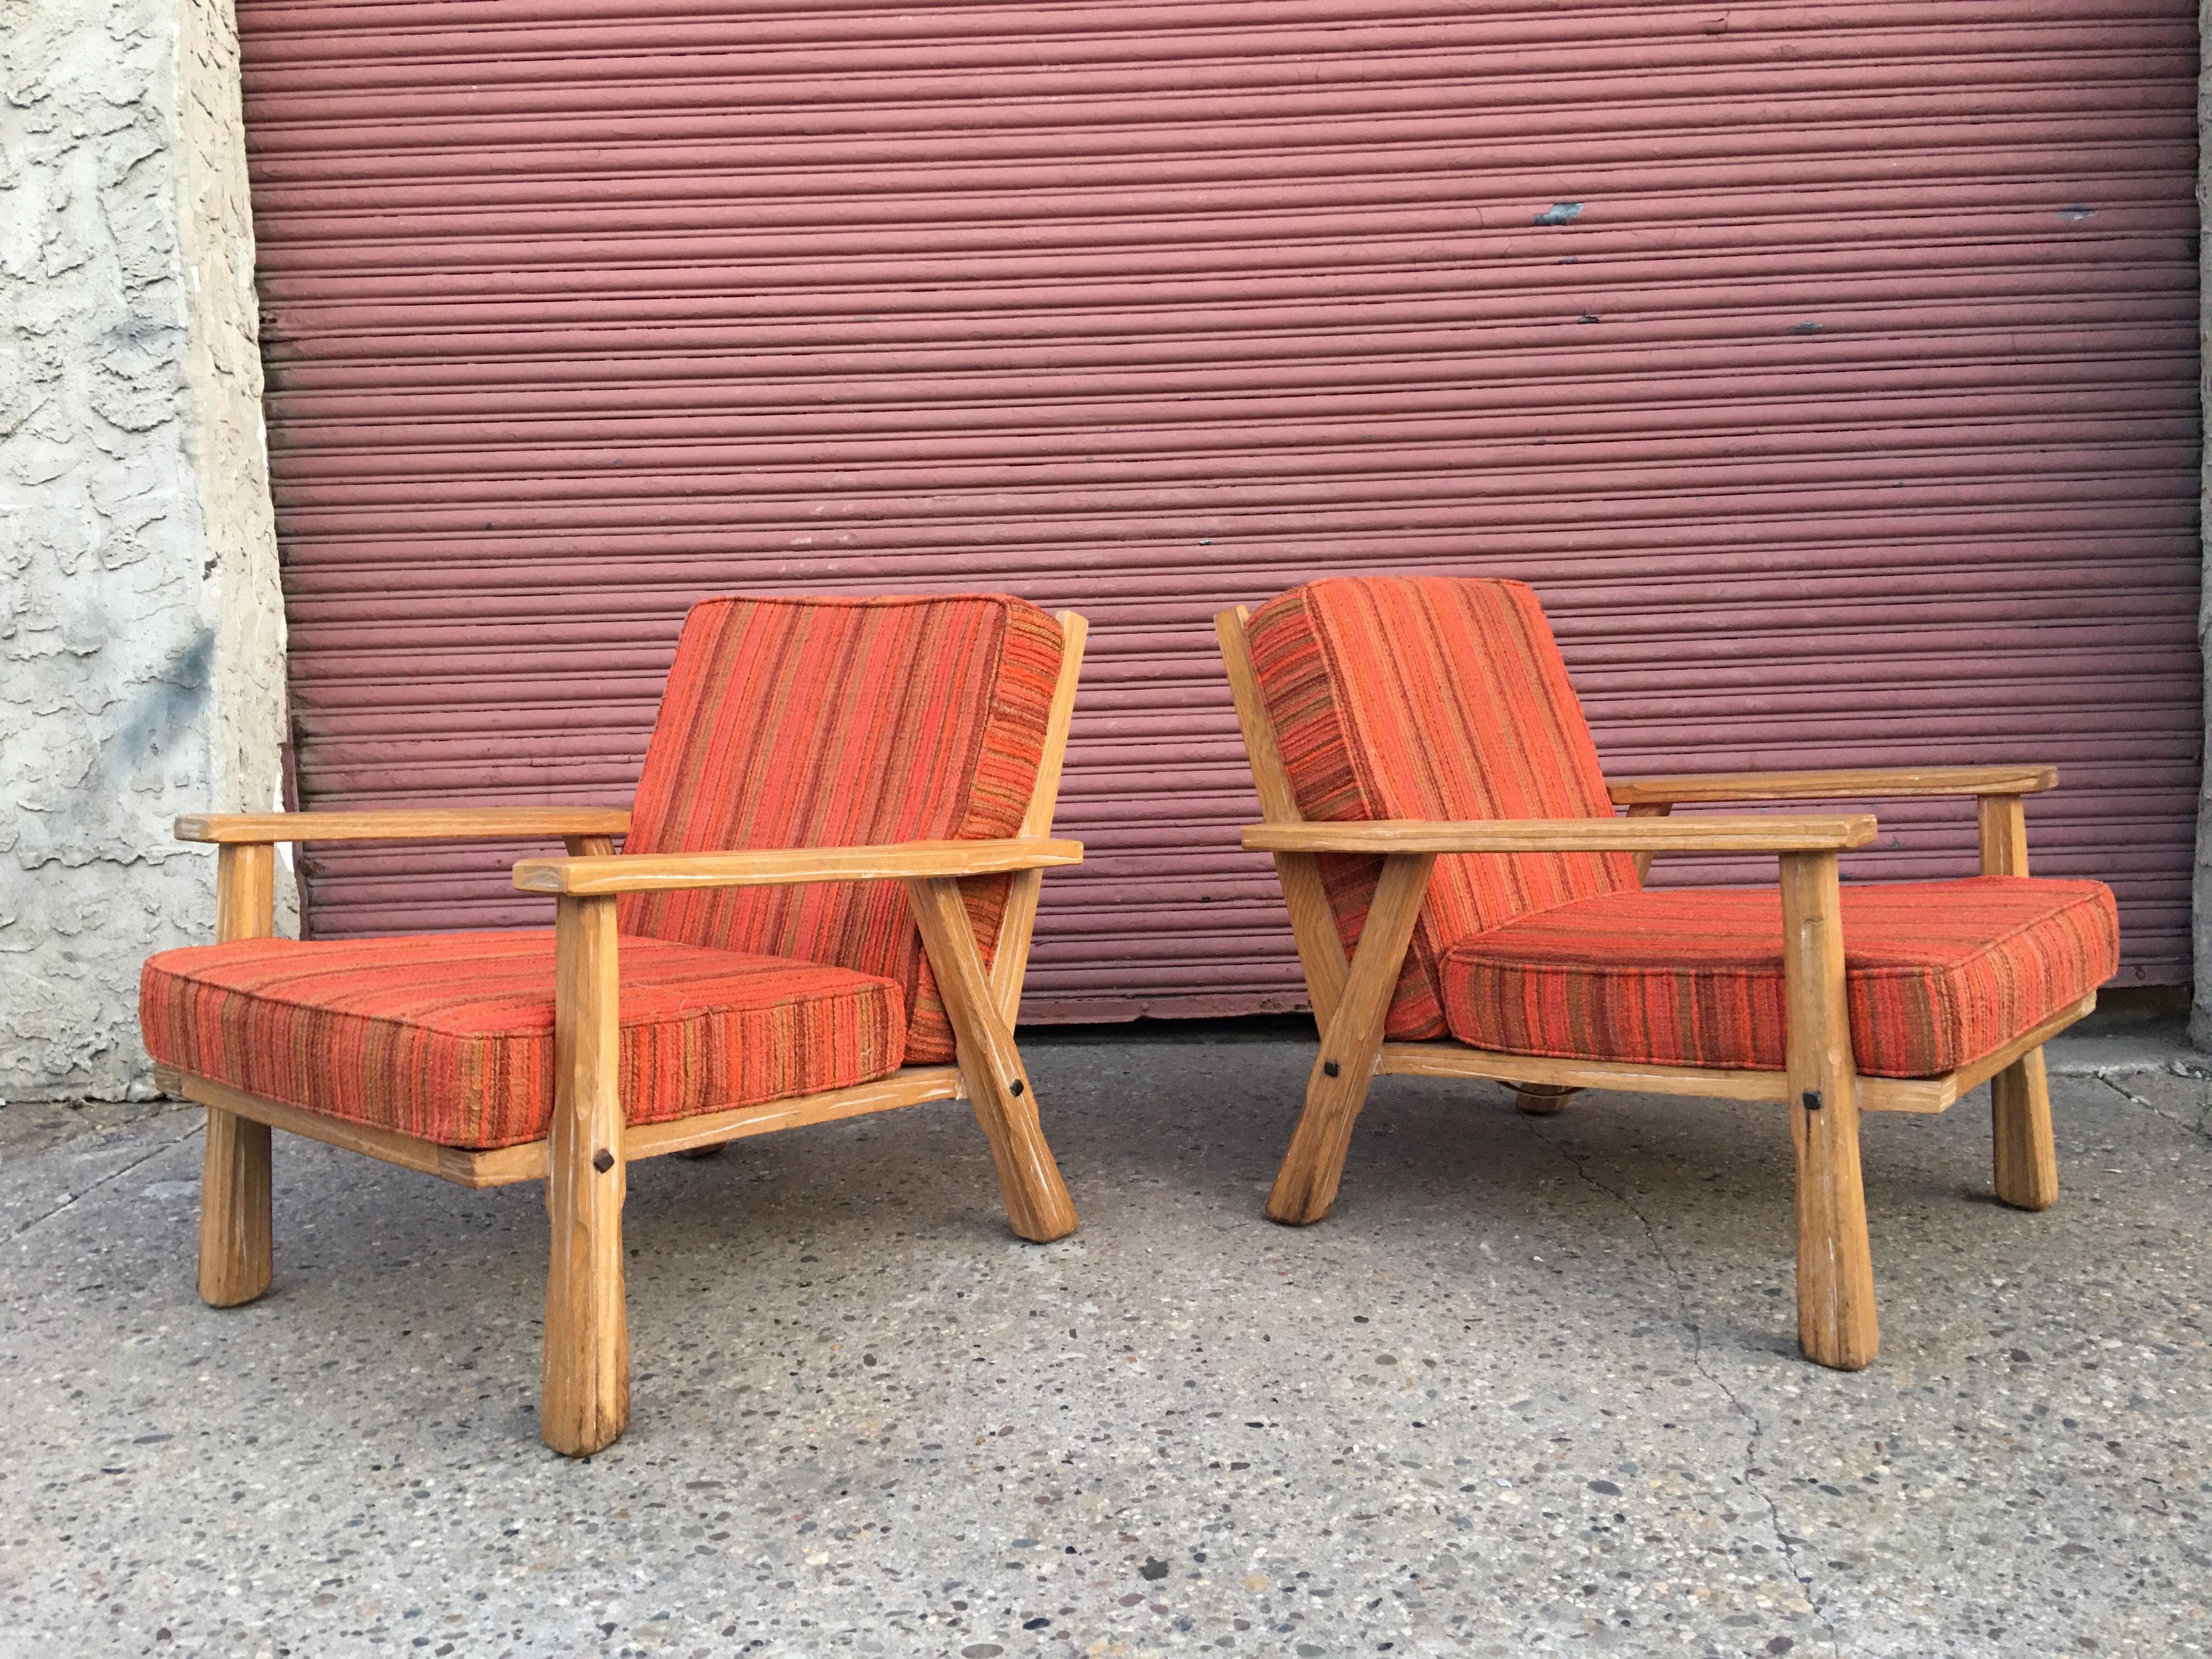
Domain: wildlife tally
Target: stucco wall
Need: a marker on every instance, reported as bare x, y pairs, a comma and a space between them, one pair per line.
2200, 1016
141, 638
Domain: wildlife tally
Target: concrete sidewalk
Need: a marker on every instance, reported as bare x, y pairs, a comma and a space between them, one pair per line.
1533, 1389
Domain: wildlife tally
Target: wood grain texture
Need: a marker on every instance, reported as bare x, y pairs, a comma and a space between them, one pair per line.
460, 1166
1305, 1187
1313, 920
1853, 783
2003, 824
1542, 1099
1037, 1203
442, 823
1886, 1094
1454, 1060
506, 1166
911, 1086
585, 1404
2025, 1157
1648, 809
236, 1248
1774, 832
1010, 961
1836, 1322
783, 867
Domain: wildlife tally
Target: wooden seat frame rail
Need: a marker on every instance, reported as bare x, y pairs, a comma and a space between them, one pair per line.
1819, 1084
585, 1401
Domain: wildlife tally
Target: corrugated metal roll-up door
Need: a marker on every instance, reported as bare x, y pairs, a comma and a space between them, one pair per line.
1829, 368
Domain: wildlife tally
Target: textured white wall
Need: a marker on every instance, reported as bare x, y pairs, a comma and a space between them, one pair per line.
142, 636
2200, 1016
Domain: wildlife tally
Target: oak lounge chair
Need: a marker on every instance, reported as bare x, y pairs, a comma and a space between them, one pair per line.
823, 902
1435, 806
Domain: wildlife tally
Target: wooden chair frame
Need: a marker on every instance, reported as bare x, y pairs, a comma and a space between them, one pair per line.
583, 1160
1820, 1085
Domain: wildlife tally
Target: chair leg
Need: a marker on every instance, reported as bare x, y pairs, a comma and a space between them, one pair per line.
2020, 1120
585, 1404
234, 1196
1836, 1324
1542, 1099
1305, 1187
1038, 1206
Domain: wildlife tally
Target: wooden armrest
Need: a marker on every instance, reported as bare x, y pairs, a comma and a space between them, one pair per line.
447, 824
657, 872
1775, 832
1835, 786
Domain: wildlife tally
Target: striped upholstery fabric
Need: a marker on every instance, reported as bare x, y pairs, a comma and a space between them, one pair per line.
835, 723
1430, 697
448, 1038
1941, 973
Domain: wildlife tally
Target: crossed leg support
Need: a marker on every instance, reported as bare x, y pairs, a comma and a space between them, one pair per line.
585, 1402
1835, 1272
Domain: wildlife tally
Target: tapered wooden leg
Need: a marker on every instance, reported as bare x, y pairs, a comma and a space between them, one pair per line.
1336, 1088
235, 1259
235, 1255
1037, 1203
1542, 1099
2019, 1121
585, 1404
1835, 1267
2019, 1095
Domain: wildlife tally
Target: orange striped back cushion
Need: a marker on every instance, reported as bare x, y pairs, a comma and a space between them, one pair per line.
1432, 697
840, 723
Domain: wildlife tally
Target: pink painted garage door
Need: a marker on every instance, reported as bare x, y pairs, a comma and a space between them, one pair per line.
1829, 368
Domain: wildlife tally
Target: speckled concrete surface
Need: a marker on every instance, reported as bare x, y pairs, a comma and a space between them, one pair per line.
1533, 1389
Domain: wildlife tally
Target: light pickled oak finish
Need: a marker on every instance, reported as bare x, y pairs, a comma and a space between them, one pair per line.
1010, 961
1862, 783
237, 1258
1647, 809
1835, 1264
1761, 832
1313, 923
440, 824
457, 1164
783, 867
1836, 1314
1450, 1058
2023, 1156
1336, 1088
507, 1166
585, 1403
1037, 1203
910, 1086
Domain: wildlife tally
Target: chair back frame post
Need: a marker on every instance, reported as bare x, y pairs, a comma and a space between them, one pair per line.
1313, 921
1010, 960
1350, 1006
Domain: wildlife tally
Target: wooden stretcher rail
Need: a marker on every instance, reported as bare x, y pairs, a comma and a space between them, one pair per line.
503, 1166
1876, 1094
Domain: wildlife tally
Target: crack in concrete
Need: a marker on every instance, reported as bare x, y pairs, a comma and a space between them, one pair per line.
71, 1202
2203, 1124
1757, 1428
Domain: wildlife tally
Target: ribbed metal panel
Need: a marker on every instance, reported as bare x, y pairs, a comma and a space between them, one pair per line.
1829, 368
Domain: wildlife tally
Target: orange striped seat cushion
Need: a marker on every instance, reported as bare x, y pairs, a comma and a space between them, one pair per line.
1432, 697
448, 1038
839, 723
1941, 973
